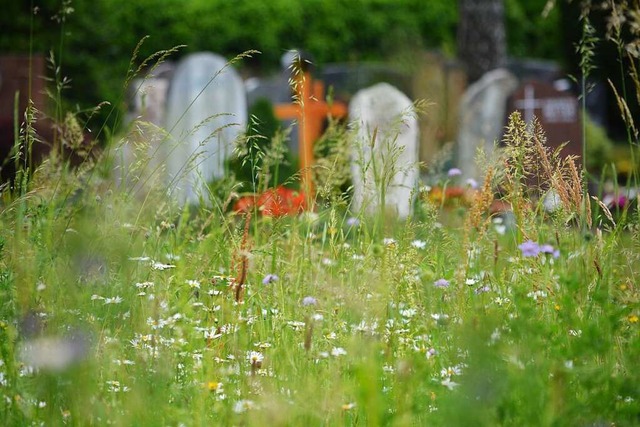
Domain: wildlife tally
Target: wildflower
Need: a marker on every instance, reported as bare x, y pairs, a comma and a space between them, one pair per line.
419, 244
472, 183
537, 295
114, 300
425, 189
214, 386
270, 278
306, 301
388, 241
255, 357
470, 282
348, 406
431, 353
353, 222
482, 290
441, 283
243, 405
529, 248
548, 249
448, 383
160, 266
409, 312
144, 285
338, 351
454, 172
194, 284
633, 318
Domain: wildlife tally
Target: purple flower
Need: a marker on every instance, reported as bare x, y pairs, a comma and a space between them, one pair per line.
441, 283
529, 248
353, 222
454, 172
270, 278
472, 183
482, 289
548, 249
309, 301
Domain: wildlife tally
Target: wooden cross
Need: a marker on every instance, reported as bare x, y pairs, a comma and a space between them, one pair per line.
310, 109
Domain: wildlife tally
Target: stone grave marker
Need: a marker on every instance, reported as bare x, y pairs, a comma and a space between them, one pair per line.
148, 95
557, 111
442, 83
139, 161
16, 73
206, 112
482, 119
384, 161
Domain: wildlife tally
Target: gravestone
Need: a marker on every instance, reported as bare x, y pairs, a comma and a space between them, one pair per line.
441, 82
139, 161
557, 111
17, 72
148, 95
206, 112
482, 119
384, 169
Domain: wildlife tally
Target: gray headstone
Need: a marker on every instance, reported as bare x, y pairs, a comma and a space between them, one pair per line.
482, 119
138, 160
148, 95
206, 112
389, 167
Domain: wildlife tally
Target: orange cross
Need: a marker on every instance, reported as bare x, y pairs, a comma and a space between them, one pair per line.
310, 109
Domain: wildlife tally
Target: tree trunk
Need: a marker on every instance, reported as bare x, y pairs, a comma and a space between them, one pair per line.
482, 42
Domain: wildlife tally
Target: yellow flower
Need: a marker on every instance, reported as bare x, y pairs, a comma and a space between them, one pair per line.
213, 385
633, 318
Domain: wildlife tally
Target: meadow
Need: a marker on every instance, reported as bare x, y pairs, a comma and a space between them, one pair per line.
121, 310
120, 307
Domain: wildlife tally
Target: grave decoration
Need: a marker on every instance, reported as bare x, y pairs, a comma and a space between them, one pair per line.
310, 110
275, 202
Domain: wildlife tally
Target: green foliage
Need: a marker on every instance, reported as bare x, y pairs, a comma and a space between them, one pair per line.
100, 35
599, 146
531, 32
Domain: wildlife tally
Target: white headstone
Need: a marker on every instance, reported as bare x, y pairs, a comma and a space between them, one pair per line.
384, 170
482, 116
137, 163
206, 112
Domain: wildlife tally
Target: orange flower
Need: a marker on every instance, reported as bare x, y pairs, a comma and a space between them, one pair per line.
275, 202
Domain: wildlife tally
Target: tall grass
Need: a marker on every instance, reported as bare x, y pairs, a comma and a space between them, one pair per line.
126, 311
